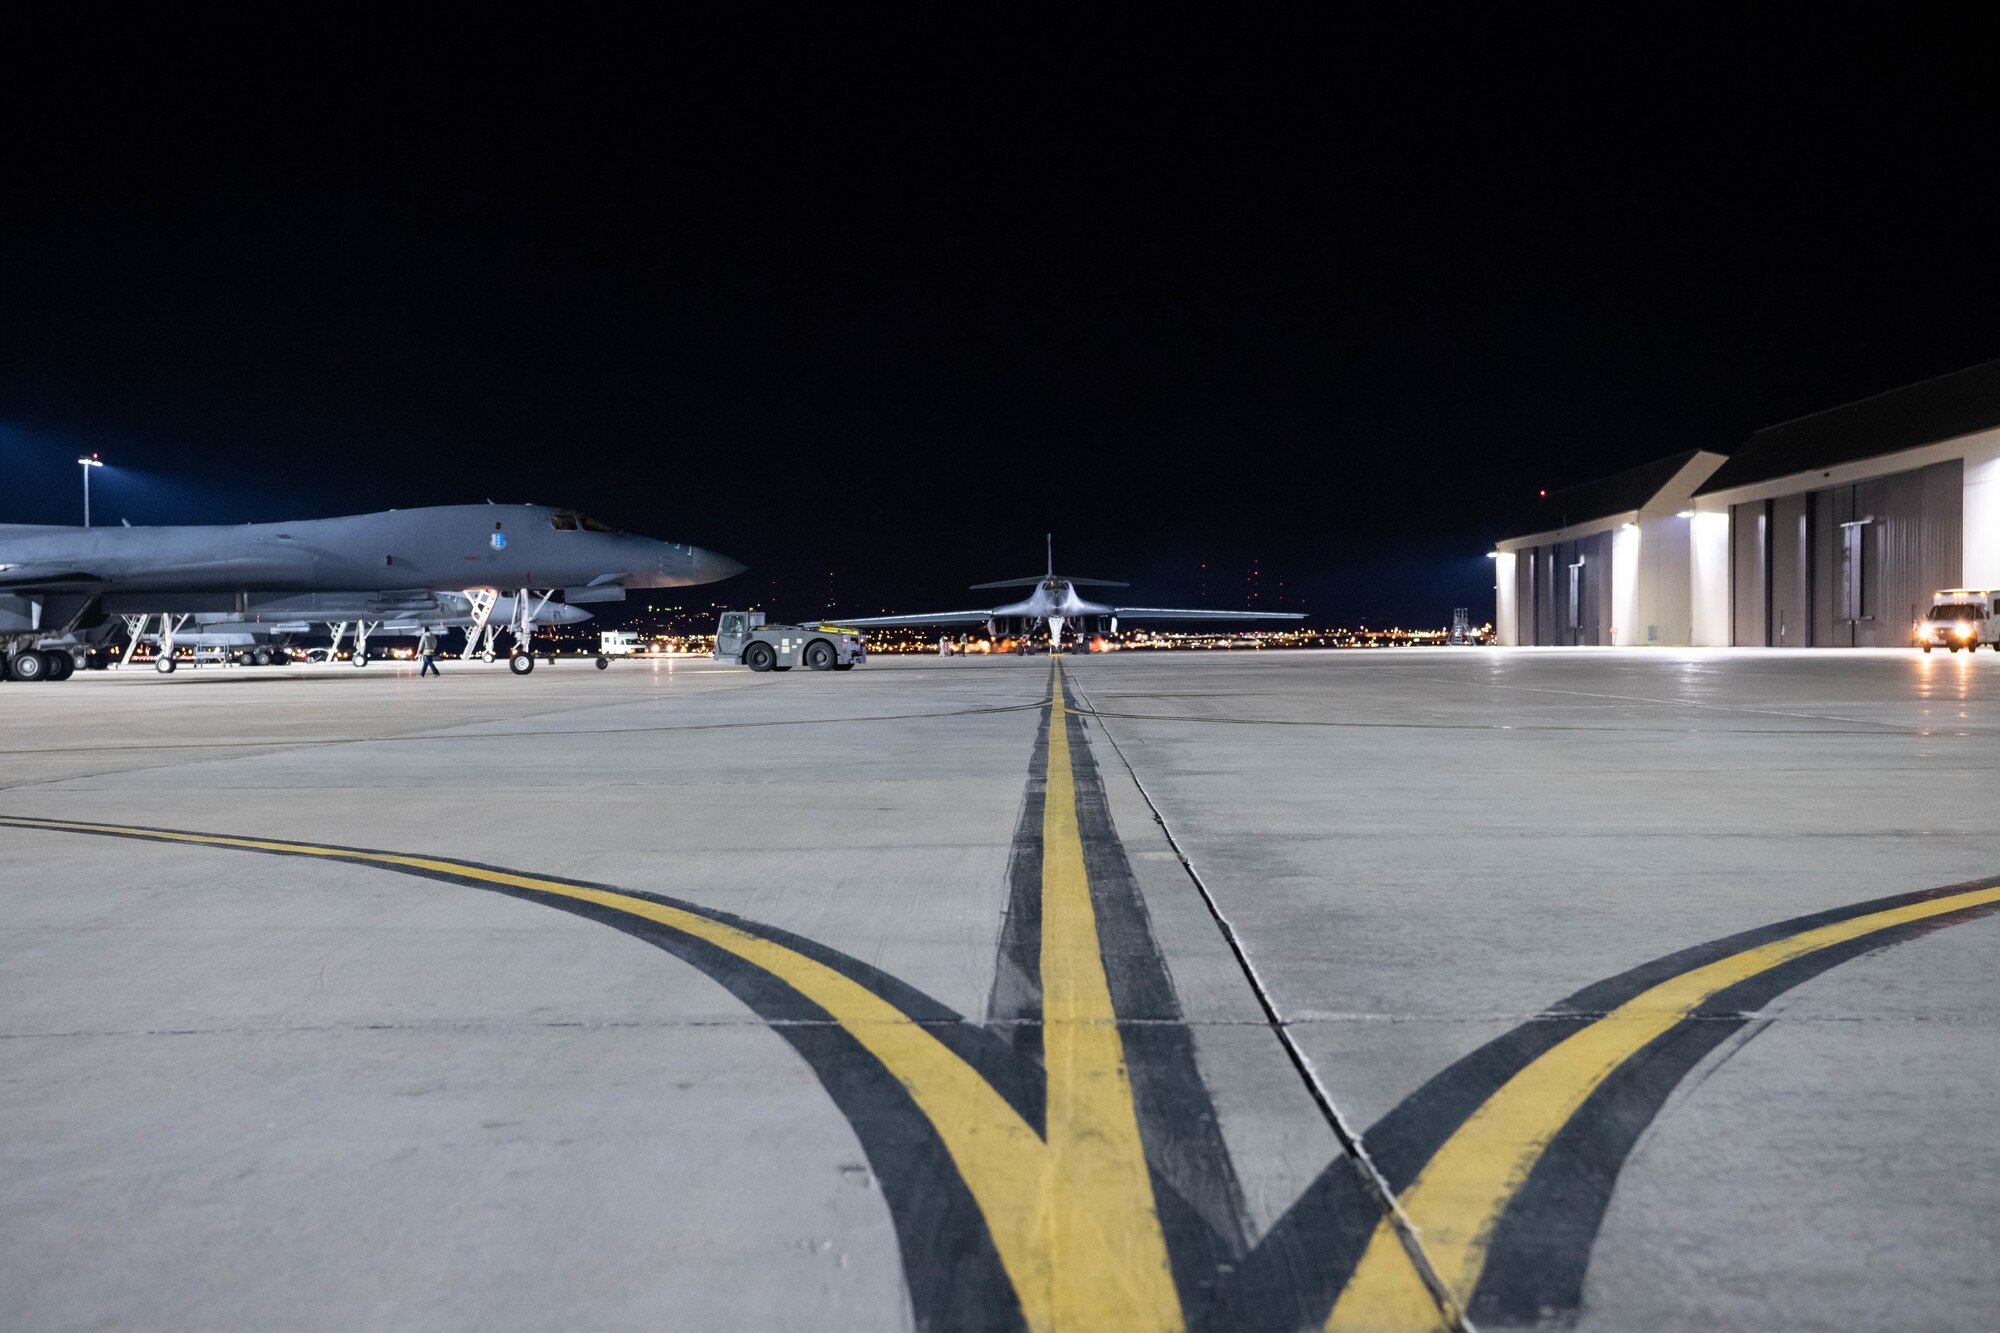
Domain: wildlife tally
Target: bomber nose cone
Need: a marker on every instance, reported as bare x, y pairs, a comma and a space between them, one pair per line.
708, 567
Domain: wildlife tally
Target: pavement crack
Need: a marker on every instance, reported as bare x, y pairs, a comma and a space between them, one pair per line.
1351, 1143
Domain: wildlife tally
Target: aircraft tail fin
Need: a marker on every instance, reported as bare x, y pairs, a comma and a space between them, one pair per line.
1050, 573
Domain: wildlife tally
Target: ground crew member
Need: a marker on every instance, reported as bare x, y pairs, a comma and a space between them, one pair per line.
427, 647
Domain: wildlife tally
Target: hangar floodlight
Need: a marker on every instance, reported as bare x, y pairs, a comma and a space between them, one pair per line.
88, 461
1685, 513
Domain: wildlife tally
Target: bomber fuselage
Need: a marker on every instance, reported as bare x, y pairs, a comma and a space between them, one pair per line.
441, 548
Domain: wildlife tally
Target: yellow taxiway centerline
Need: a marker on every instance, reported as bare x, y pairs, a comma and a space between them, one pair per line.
1110, 1254
1073, 1219
1461, 1193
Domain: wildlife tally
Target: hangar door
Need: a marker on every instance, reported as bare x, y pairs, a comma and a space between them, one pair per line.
1846, 566
1563, 592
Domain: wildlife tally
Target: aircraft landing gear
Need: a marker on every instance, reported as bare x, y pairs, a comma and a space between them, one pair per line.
30, 664
261, 657
164, 665
521, 663
359, 659
61, 666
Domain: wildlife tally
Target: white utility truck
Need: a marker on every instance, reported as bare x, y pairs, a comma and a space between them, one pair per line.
1961, 618
615, 643
742, 636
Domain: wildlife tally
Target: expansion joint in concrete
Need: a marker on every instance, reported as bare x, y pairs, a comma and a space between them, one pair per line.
1351, 1143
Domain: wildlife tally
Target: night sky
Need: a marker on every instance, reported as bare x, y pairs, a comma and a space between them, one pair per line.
873, 309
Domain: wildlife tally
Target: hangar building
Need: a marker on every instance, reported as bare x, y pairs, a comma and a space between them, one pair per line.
1829, 531
1834, 530
1610, 563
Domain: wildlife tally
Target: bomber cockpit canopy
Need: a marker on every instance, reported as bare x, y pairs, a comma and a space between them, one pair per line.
568, 520
1056, 585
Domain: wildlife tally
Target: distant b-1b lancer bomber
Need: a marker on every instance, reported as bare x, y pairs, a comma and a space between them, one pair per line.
62, 584
1056, 604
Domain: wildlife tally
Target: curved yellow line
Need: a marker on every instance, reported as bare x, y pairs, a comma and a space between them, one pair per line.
1457, 1200
1003, 1161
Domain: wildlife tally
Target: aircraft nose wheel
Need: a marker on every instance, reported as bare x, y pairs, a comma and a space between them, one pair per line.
164, 665
521, 664
359, 659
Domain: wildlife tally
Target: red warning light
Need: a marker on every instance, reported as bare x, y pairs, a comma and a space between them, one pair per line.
1545, 495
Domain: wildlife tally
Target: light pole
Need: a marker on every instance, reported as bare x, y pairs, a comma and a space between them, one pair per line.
89, 461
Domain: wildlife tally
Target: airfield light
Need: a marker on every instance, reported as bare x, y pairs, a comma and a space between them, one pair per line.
89, 461
1492, 555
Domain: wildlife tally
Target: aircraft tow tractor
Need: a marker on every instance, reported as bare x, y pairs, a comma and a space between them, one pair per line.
743, 637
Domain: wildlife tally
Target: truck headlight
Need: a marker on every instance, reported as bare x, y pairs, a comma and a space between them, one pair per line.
1963, 631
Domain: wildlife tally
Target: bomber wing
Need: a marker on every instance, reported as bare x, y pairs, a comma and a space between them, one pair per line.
1173, 613
934, 618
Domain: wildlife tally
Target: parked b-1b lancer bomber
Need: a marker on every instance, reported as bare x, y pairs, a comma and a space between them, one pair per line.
262, 633
61, 584
1056, 604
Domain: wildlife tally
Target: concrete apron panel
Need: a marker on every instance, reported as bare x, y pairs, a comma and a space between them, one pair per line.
1422, 859
916, 975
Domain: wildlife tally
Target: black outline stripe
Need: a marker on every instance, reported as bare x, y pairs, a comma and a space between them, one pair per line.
1014, 1006
1195, 1187
1541, 1249
951, 1269
1541, 1246
1406, 1138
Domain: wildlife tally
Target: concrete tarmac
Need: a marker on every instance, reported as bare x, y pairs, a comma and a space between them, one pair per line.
1655, 988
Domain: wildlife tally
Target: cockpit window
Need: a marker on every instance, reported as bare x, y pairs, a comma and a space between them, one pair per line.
568, 520
1055, 585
